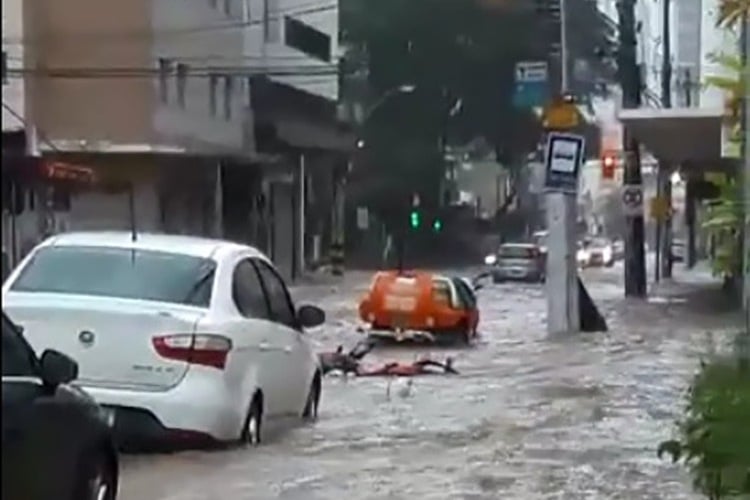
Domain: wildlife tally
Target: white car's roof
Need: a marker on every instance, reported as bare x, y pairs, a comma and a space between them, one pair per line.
170, 243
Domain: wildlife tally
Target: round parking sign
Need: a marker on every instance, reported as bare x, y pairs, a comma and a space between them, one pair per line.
632, 200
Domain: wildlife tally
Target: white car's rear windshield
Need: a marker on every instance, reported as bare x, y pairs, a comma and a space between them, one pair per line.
119, 273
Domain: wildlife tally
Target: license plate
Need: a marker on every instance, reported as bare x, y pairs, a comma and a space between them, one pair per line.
399, 321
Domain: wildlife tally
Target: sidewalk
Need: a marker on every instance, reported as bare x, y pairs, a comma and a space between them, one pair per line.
692, 301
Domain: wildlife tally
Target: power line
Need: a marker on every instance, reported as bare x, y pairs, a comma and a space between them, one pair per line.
204, 72
317, 7
41, 135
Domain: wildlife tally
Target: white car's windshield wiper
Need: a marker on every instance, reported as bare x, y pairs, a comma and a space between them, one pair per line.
204, 277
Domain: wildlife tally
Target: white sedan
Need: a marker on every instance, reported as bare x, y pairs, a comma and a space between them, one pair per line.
179, 337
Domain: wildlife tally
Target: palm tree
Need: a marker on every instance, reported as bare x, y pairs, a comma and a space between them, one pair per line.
733, 12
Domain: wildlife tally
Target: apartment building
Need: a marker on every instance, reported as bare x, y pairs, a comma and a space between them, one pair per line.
688, 20
294, 95
157, 97
125, 87
12, 56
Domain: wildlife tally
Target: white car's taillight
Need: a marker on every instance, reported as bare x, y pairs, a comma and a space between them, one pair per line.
198, 349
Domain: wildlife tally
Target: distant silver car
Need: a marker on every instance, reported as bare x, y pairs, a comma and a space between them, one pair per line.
679, 250
517, 262
601, 253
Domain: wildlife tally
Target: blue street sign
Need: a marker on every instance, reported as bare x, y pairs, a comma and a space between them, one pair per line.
532, 84
563, 159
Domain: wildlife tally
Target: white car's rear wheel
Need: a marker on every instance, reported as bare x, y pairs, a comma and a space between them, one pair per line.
251, 430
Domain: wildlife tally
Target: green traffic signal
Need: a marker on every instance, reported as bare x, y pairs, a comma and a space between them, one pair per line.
437, 225
414, 219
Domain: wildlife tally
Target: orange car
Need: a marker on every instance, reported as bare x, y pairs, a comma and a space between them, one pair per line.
414, 305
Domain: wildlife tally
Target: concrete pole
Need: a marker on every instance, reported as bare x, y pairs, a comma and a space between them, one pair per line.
635, 258
302, 206
664, 169
562, 271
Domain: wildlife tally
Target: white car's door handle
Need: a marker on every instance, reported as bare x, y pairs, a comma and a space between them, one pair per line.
264, 346
288, 349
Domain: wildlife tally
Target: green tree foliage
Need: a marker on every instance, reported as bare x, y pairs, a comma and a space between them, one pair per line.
726, 214
724, 221
714, 437
453, 50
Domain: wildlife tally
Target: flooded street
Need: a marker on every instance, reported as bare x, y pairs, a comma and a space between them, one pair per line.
529, 417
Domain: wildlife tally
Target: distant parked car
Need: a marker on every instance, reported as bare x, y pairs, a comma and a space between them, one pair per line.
600, 252
539, 238
618, 249
517, 261
679, 250
186, 340
5, 264
582, 254
57, 442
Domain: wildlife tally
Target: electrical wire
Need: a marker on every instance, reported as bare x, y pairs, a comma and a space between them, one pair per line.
40, 134
205, 72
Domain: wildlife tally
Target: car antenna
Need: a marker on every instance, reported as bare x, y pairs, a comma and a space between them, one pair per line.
131, 209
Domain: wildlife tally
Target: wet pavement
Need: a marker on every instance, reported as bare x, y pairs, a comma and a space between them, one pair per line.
530, 417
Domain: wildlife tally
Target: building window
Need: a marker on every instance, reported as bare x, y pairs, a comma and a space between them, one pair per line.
5, 67
271, 25
307, 39
165, 67
181, 74
228, 7
213, 84
228, 94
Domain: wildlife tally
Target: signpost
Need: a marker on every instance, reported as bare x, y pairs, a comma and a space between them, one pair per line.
563, 158
561, 114
632, 200
659, 208
532, 84
363, 218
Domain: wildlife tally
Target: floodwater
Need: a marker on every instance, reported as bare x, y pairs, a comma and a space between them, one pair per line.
529, 417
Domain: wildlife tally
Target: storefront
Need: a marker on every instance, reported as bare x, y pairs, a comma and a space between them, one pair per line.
34, 190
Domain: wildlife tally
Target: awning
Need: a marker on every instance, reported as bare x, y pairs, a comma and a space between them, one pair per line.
286, 117
678, 135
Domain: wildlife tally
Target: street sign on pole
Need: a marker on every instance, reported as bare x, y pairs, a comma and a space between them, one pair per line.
659, 208
363, 218
632, 200
532, 84
563, 159
560, 114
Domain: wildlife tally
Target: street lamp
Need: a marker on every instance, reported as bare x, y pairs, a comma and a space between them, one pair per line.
401, 89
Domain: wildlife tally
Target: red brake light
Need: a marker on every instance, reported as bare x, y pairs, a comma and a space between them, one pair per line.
197, 349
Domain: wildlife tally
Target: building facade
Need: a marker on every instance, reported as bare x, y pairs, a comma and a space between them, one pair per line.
160, 98
12, 57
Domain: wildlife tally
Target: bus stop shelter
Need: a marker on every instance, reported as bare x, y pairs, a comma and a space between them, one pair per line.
688, 139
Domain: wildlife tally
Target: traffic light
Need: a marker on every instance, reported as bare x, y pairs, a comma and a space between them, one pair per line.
437, 225
609, 163
414, 219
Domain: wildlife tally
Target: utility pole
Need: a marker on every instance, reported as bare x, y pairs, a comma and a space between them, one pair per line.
562, 271
663, 260
666, 178
630, 79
